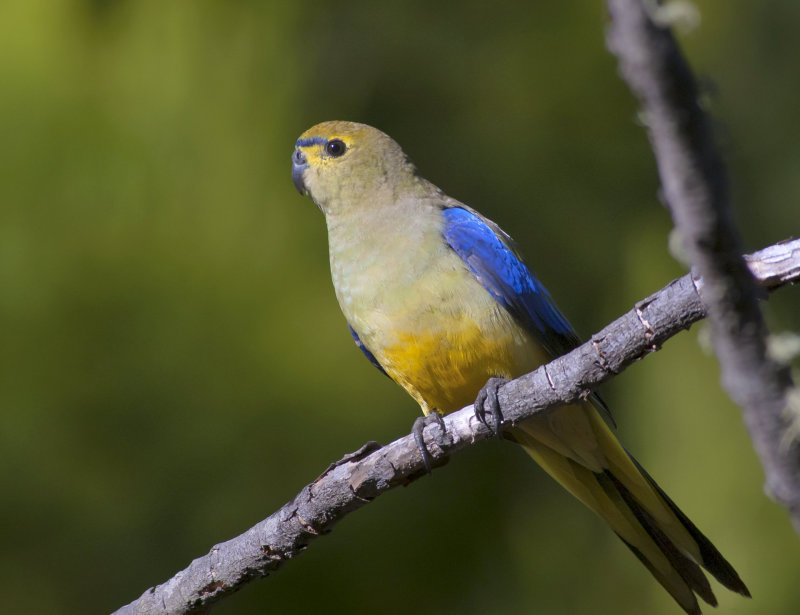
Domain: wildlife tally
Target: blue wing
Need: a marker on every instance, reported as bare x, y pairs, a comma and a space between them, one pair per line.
508, 280
486, 251
365, 350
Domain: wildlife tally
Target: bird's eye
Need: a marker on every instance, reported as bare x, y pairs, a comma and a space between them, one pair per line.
335, 148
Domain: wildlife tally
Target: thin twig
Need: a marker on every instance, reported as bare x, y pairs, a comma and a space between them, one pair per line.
360, 477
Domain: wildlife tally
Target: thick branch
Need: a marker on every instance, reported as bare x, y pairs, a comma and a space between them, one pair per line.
362, 476
695, 188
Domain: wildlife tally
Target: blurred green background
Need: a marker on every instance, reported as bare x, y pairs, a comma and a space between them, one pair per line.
173, 363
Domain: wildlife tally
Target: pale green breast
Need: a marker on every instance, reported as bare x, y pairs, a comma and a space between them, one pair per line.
429, 322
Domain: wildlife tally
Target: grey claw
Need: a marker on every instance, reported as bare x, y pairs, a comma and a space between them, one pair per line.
419, 426
487, 396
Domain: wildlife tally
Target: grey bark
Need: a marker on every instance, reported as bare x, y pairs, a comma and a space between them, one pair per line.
360, 477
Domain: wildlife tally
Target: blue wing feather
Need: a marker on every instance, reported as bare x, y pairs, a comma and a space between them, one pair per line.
508, 280
365, 350
501, 272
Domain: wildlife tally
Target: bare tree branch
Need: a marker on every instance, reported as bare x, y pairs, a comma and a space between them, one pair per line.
693, 178
360, 477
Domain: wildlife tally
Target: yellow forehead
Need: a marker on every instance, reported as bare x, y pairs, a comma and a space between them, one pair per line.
334, 130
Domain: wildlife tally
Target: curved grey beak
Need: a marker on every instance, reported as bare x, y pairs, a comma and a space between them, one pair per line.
299, 164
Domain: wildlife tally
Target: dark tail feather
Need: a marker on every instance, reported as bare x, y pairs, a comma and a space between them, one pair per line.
689, 571
712, 559
691, 609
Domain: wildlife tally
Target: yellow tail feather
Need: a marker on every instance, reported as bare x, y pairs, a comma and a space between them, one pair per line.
576, 447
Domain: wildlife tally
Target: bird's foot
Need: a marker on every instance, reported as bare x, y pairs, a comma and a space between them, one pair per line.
419, 426
487, 402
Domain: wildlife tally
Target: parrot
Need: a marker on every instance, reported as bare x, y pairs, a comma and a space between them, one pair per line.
438, 298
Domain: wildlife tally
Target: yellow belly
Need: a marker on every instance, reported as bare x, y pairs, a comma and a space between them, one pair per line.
444, 370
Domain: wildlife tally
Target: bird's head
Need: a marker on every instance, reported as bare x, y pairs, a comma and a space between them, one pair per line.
347, 165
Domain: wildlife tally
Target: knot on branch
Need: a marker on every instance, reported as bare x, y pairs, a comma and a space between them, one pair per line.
649, 331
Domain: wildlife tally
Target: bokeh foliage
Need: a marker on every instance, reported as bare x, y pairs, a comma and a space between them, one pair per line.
173, 364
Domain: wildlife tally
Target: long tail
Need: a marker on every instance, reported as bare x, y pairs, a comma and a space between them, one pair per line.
576, 447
